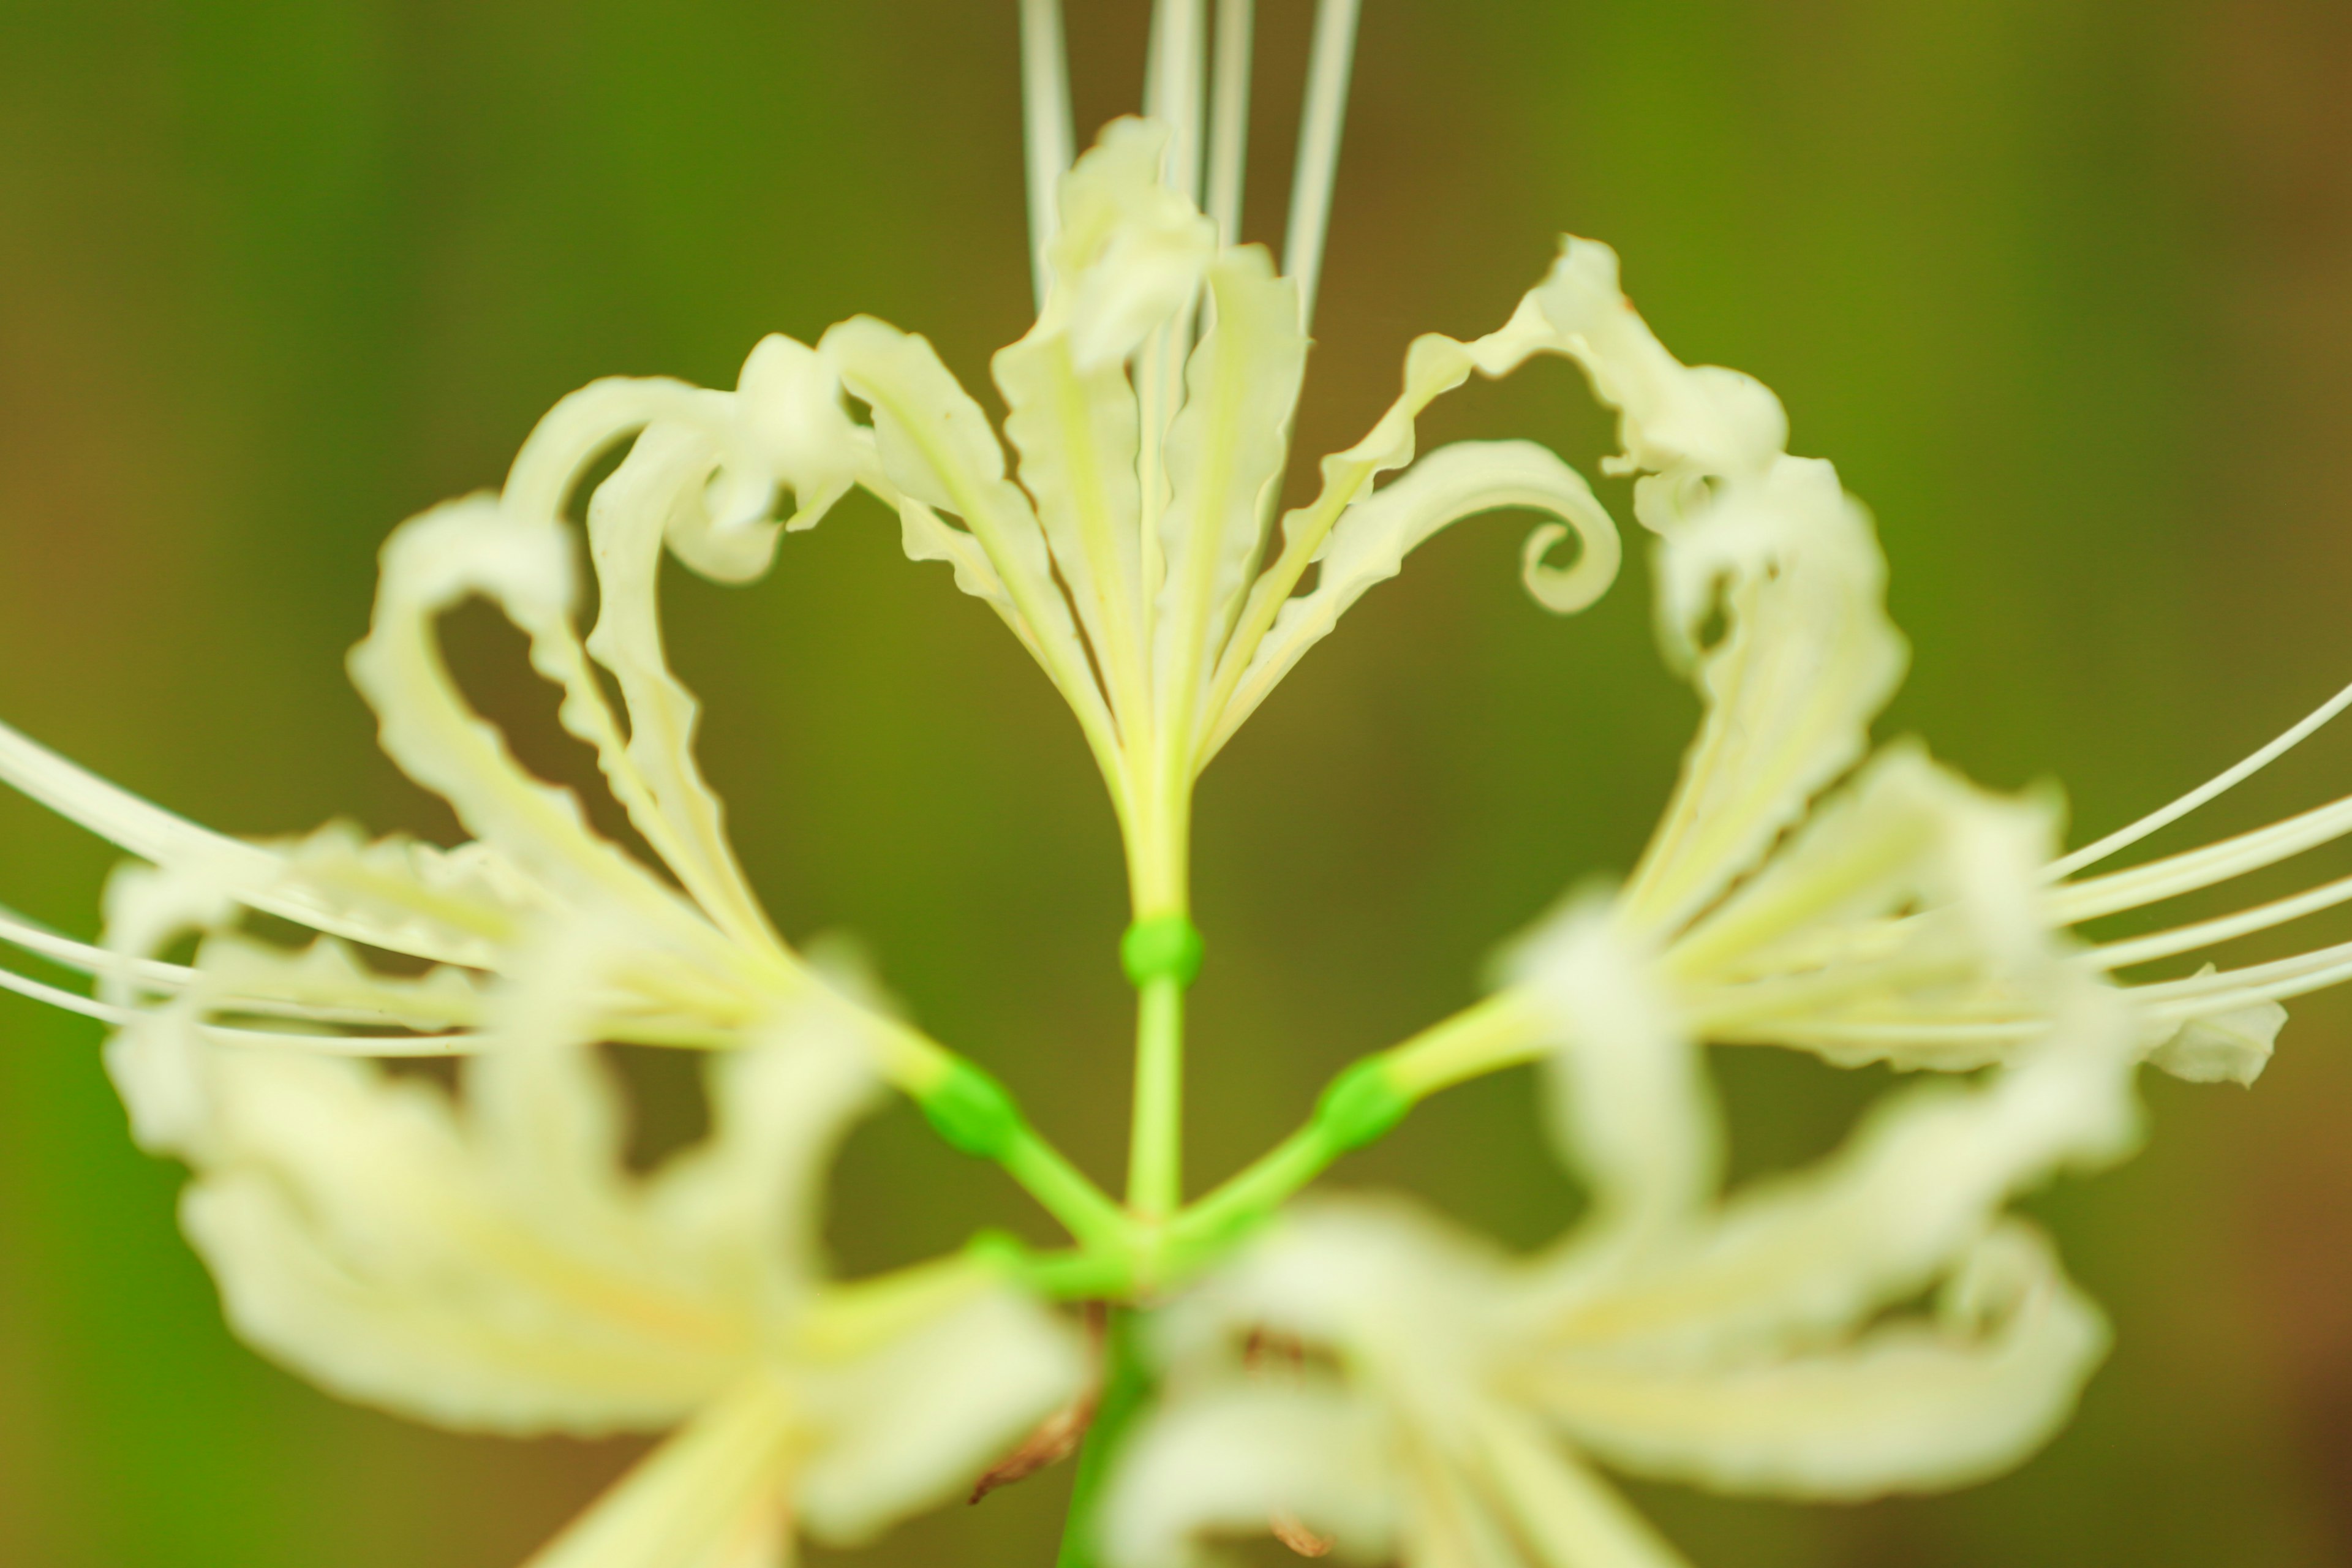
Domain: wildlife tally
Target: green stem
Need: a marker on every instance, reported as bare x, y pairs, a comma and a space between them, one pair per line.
1155, 1171
1066, 1193
1126, 1390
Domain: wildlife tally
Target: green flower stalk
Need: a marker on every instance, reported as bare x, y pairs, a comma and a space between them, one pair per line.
1323, 1369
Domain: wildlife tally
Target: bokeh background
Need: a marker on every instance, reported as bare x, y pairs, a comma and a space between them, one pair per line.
2063, 286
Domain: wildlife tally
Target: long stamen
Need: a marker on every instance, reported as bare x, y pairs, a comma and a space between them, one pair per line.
1045, 125
68, 1000
1171, 89
1229, 117
2195, 869
2225, 928
1319, 148
81, 957
2273, 981
2124, 838
120, 817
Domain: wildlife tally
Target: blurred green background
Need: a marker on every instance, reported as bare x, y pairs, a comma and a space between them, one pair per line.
2063, 286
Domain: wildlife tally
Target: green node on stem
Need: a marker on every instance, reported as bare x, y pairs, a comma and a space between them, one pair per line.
1164, 947
973, 1113
1360, 1106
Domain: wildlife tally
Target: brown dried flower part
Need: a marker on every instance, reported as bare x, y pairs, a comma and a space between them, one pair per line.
1058, 1436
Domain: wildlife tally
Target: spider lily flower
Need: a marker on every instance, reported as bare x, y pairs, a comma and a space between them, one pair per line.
1802, 890
1127, 566
489, 1263
1456, 1400
704, 965
1135, 558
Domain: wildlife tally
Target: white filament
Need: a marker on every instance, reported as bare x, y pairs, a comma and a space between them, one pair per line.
81, 956
1229, 117
1172, 89
1046, 126
2186, 872
2124, 838
1319, 148
2206, 934
54, 997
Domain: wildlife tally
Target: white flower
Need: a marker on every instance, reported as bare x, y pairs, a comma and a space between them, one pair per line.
487, 1262
1453, 1396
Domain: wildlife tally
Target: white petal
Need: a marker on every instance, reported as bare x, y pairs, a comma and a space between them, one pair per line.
1434, 364
1806, 659
1908, 896
465, 905
914, 1421
1225, 454
378, 908
1226, 1462
938, 448
1369, 543
755, 1189
1917, 1183
1704, 421
1570, 1517
328, 982
355, 1236
630, 515
1630, 1107
1131, 251
2231, 1047
711, 1497
788, 401
1913, 1407
1078, 432
431, 564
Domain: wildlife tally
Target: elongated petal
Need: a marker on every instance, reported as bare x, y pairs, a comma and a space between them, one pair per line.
1673, 418
1228, 1461
1225, 453
1433, 366
629, 517
789, 410
327, 980
753, 1191
914, 1420
355, 1236
1907, 834
465, 905
430, 564
1131, 251
937, 447
431, 905
1914, 1187
1806, 658
712, 1495
1369, 543
1914, 1406
1077, 433
1569, 1517
1631, 1107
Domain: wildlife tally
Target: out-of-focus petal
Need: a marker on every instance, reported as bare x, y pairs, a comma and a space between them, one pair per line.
712, 1495
1569, 1517
1225, 454
1227, 1462
1631, 1107
1913, 1407
1131, 251
1926, 1174
1805, 659
1705, 421
912, 1420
